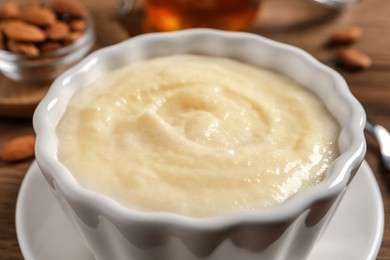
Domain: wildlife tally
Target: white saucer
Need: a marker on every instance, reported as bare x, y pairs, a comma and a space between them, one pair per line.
354, 233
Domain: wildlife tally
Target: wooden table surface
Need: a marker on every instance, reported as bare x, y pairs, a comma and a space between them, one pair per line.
298, 22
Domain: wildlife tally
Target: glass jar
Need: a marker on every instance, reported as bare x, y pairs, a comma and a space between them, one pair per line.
47, 66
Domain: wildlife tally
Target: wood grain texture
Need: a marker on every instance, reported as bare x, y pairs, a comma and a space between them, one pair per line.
19, 99
302, 23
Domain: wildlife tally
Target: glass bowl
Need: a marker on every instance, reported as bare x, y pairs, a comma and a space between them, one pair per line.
47, 66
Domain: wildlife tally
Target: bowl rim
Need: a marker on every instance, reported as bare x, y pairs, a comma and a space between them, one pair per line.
331, 186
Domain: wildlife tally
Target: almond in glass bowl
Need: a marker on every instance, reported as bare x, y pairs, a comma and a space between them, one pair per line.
39, 41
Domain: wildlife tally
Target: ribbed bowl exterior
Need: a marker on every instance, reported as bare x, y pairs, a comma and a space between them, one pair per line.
287, 231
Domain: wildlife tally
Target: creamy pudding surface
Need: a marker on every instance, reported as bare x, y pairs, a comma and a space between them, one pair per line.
196, 135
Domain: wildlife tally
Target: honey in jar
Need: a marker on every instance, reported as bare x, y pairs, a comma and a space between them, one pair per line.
171, 15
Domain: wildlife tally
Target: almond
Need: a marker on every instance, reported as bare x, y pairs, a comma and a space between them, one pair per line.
19, 148
49, 46
346, 35
9, 10
21, 31
57, 31
354, 58
4, 23
73, 36
70, 7
38, 15
78, 25
24, 48
37, 28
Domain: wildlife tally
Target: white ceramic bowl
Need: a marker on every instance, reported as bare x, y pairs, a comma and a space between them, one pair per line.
287, 231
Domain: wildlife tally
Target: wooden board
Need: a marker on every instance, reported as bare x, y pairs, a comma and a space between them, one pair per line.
19, 99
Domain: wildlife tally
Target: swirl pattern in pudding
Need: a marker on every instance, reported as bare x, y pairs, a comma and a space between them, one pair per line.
196, 135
